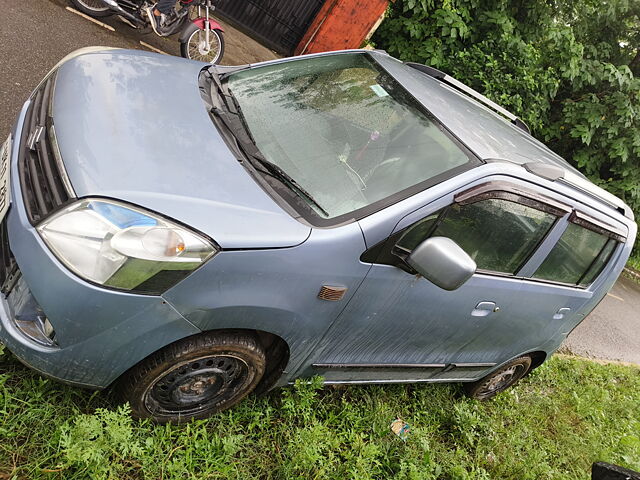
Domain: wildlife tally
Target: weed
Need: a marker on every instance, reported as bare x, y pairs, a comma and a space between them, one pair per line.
634, 261
552, 425
101, 444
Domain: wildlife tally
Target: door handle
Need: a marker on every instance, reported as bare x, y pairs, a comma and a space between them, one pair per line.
561, 313
484, 308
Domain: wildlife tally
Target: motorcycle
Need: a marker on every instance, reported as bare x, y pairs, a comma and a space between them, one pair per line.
201, 37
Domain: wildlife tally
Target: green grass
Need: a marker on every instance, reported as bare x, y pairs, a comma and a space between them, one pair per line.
634, 262
553, 425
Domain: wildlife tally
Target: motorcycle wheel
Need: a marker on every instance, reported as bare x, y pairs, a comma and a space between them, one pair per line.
195, 46
93, 8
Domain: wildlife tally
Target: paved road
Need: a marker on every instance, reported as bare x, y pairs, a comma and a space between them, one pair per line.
34, 35
612, 331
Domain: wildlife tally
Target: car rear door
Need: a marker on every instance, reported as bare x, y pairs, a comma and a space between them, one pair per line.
565, 279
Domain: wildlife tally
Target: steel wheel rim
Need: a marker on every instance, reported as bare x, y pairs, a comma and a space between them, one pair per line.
501, 381
197, 385
197, 46
95, 5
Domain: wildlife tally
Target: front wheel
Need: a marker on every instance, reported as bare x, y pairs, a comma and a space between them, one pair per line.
93, 8
196, 47
194, 377
498, 381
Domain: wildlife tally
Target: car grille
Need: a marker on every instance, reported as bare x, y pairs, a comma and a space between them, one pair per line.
9, 272
42, 176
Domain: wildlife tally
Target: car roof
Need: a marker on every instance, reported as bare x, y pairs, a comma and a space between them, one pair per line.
486, 133
489, 135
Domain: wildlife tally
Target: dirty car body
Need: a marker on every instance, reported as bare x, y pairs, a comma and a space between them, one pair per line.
299, 207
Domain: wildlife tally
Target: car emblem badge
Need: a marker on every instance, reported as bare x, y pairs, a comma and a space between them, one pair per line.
34, 137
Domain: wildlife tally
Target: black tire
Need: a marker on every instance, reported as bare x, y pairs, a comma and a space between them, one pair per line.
93, 8
498, 381
194, 377
189, 45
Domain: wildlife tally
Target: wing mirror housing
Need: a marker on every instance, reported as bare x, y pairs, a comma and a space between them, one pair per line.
441, 261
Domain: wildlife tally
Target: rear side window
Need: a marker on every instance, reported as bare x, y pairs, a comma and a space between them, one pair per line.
498, 234
578, 257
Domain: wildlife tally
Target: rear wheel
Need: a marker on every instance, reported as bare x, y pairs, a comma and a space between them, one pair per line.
194, 377
196, 47
498, 381
94, 8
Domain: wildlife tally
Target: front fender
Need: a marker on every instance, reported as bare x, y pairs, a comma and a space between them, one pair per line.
199, 24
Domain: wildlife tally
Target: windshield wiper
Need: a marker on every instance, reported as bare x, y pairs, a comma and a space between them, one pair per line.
225, 107
275, 171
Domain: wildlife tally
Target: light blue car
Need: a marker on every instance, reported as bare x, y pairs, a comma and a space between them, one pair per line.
189, 234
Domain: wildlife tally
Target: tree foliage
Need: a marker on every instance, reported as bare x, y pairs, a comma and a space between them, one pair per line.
570, 69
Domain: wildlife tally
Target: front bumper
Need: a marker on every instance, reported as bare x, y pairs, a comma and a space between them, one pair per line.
99, 333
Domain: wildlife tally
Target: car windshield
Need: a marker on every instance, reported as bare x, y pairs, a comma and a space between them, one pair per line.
345, 130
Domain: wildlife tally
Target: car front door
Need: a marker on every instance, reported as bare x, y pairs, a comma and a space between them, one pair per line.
399, 326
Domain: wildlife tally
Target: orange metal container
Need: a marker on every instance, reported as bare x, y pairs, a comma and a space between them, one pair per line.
341, 24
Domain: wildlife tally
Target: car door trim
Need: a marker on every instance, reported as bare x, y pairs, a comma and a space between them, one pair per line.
504, 190
379, 365
587, 221
445, 366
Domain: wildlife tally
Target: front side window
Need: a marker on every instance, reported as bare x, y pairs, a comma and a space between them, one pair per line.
345, 130
578, 257
498, 234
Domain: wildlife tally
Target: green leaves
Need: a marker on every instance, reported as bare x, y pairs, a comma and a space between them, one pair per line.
566, 68
556, 422
451, 23
100, 444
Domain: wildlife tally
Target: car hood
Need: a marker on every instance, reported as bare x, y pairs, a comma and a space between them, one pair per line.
131, 125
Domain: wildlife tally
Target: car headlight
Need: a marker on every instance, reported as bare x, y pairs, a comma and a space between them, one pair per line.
120, 246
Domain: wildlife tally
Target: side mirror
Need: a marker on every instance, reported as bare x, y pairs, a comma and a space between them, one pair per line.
441, 261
